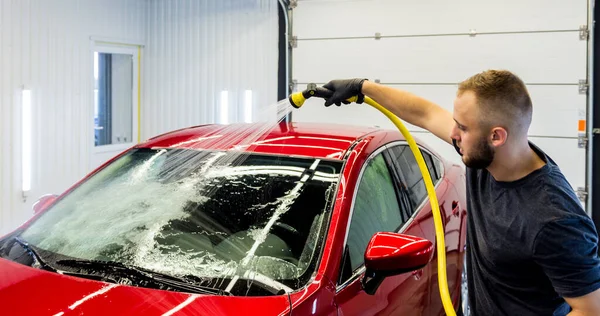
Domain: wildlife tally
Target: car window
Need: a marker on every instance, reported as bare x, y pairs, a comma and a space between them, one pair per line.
405, 161
431, 166
375, 209
438, 167
213, 215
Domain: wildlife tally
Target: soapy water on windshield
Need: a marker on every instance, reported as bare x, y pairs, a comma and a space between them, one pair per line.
125, 204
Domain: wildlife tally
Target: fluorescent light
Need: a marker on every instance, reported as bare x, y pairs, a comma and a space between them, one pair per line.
248, 106
26, 139
224, 107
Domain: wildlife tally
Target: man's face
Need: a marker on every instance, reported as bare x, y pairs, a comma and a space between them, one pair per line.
468, 137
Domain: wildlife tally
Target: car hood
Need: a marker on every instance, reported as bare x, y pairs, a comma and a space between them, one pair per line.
29, 291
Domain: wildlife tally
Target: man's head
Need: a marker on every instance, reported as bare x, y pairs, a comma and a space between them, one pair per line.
492, 110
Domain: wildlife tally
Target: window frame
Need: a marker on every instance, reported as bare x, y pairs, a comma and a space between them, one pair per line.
401, 190
395, 173
424, 200
125, 49
372, 167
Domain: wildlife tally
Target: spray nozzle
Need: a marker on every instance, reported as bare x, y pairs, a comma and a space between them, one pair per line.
297, 99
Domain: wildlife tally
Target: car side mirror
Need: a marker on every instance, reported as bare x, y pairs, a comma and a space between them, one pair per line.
390, 254
43, 202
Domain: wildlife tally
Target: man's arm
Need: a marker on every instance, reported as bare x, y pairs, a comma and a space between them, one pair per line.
412, 108
587, 305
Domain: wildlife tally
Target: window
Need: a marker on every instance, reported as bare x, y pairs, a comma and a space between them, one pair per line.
113, 99
405, 161
376, 209
169, 212
434, 169
438, 167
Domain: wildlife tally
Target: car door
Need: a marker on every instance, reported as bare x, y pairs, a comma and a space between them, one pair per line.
378, 205
406, 164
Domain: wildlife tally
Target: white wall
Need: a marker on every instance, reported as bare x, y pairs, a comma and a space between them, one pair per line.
45, 45
427, 48
198, 48
193, 49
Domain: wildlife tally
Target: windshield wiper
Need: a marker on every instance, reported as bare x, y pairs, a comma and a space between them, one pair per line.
37, 259
160, 280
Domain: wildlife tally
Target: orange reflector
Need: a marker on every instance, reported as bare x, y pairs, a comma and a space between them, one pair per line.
581, 126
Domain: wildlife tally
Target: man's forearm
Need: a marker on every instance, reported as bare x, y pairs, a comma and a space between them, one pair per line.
588, 304
412, 109
582, 313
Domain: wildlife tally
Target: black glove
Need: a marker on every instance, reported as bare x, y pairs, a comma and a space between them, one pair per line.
344, 89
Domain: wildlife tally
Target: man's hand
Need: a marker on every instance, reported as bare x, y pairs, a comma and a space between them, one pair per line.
344, 89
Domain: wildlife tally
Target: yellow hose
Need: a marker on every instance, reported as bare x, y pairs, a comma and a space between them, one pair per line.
435, 207
297, 100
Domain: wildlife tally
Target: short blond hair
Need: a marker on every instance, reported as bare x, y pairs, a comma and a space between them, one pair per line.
502, 98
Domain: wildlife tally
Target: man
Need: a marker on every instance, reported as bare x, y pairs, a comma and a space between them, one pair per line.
532, 250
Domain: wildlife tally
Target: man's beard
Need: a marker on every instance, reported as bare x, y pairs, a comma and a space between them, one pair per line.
481, 157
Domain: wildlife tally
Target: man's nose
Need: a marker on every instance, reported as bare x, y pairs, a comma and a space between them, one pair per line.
454, 133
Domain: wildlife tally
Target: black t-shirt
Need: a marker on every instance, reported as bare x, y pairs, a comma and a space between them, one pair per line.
529, 244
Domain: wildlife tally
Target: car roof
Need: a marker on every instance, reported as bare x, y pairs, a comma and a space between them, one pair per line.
316, 140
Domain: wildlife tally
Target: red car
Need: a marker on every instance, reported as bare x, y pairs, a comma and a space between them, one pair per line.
244, 219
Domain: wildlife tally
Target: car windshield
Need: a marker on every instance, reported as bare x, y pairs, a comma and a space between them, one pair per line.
221, 216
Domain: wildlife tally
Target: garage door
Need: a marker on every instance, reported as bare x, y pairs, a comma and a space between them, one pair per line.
427, 47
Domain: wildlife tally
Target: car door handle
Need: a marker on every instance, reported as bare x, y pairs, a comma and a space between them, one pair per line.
455, 208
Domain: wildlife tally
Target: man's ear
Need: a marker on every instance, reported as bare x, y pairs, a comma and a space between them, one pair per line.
499, 136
